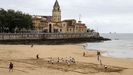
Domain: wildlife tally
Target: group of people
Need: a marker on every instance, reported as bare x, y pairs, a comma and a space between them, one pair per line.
67, 60
98, 57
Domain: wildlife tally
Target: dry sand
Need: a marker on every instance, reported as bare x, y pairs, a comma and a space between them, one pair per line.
25, 62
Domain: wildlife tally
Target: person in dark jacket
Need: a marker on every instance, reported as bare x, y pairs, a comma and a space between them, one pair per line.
37, 56
10, 66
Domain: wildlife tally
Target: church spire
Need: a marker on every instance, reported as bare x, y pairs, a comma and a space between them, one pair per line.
56, 4
56, 13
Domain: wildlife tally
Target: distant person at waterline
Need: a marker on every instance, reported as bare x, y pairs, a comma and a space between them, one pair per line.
11, 67
98, 55
85, 46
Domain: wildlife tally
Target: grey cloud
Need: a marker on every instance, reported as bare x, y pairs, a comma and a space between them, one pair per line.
107, 15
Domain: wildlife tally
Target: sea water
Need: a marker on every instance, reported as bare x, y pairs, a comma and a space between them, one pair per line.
121, 45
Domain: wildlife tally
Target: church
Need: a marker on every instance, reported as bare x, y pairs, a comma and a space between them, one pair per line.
54, 24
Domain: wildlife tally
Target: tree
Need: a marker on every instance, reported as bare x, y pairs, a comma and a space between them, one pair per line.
90, 30
10, 19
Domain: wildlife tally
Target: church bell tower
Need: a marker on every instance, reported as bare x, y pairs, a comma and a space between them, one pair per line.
56, 13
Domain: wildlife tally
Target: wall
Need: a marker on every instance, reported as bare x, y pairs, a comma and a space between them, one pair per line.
32, 36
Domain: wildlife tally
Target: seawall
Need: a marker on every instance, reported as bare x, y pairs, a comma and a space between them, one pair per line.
49, 38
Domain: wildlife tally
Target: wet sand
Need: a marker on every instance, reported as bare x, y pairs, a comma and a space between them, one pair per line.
25, 62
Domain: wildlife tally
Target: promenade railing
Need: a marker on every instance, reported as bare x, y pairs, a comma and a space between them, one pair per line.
32, 36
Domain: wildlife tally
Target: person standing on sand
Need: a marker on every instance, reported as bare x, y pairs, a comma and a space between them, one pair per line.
37, 56
11, 66
84, 54
98, 55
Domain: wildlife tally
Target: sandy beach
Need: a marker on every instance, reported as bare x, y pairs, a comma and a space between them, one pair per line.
55, 60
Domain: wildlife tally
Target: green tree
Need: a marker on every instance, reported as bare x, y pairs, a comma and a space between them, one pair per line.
10, 19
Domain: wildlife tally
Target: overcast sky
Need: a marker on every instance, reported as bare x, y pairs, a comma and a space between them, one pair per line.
102, 15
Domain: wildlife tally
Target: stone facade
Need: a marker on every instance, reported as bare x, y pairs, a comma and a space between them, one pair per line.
56, 13
53, 24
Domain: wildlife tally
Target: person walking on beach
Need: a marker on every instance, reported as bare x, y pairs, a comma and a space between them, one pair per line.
84, 54
10, 66
37, 56
98, 55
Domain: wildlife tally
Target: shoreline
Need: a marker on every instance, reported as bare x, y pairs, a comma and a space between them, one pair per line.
23, 56
105, 54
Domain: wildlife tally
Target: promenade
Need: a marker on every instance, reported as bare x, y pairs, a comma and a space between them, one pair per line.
34, 36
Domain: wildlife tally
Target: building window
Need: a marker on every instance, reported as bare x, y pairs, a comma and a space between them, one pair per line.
50, 28
60, 30
58, 9
55, 30
70, 29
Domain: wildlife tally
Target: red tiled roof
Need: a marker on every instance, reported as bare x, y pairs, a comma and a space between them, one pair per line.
81, 25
